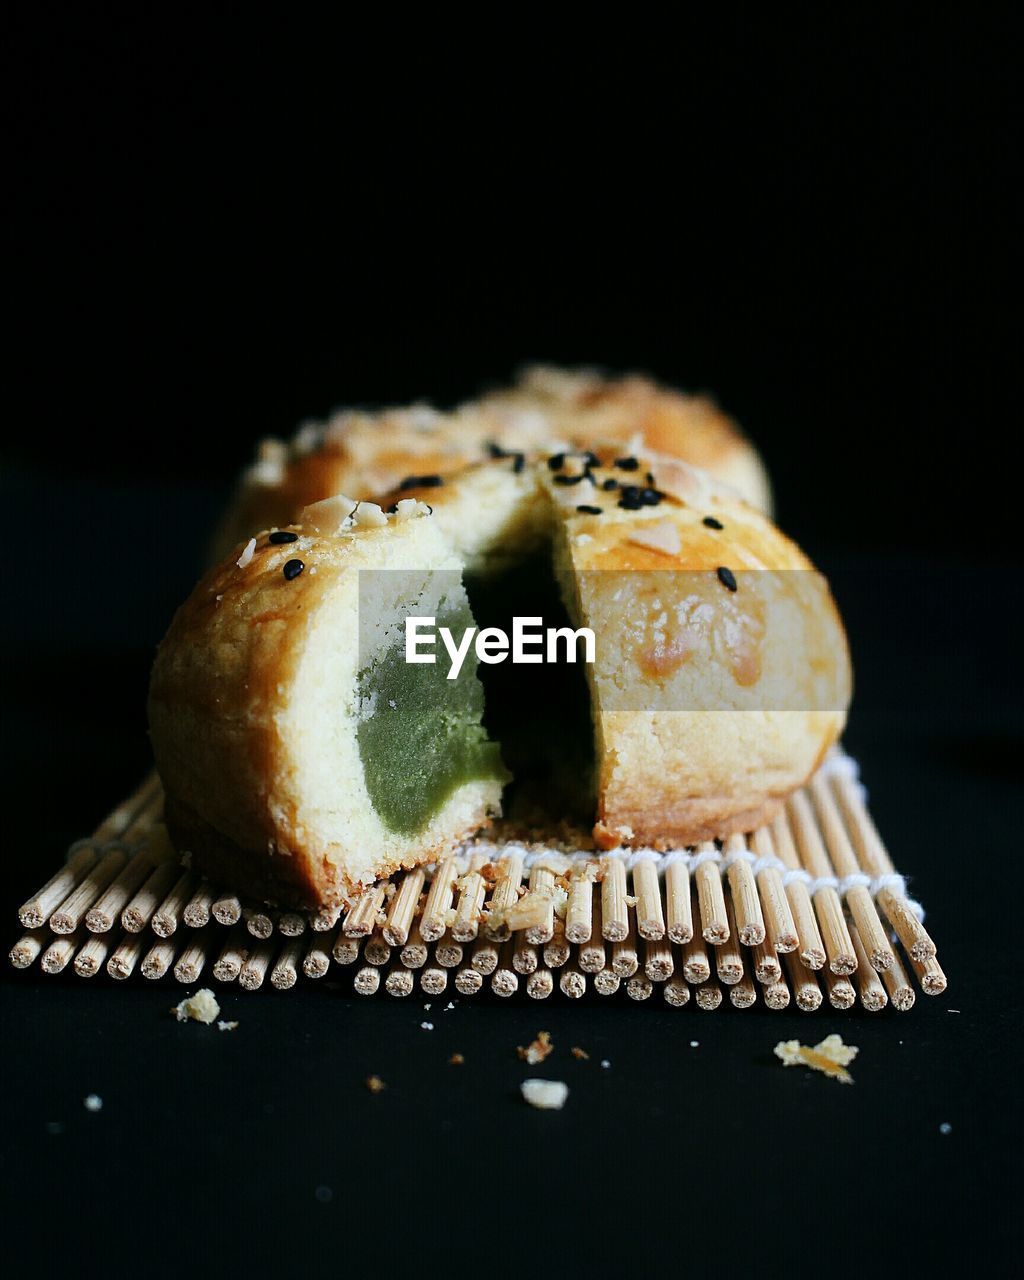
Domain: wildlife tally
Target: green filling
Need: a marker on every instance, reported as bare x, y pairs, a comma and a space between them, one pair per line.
419, 751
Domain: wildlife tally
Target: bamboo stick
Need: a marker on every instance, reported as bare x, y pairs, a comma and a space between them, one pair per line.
650, 915
292, 924
540, 984
729, 957
376, 950
362, 917
542, 882
803, 983
199, 907
676, 992
324, 920
767, 966
606, 983
448, 953
485, 957
592, 955
873, 857
468, 981
714, 926
402, 911
470, 906
841, 992
504, 895
858, 899
812, 948
556, 950
579, 909
28, 947
929, 975
414, 954
897, 984
658, 963
91, 957
434, 919
400, 982
776, 995
227, 909
167, 916
139, 911
58, 954
125, 956
828, 907
869, 985
696, 965
524, 955
708, 995
779, 924
572, 981
625, 961
190, 964
433, 980
678, 907
742, 994
285, 972
747, 917
103, 913
346, 950
367, 980
233, 954
505, 980
257, 963
71, 912
34, 913
317, 961
639, 987
614, 910
158, 959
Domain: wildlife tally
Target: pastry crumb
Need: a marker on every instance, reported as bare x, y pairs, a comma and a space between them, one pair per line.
427, 1026
831, 1056
945, 1128
202, 1007
537, 1050
93, 1102
545, 1095
456, 1060
605, 1063
226, 1026
375, 1084
582, 1054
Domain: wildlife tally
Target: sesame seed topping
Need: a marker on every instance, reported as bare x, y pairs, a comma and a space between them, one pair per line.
293, 568
727, 578
633, 497
712, 523
592, 459
280, 536
421, 482
496, 451
627, 464
589, 511
570, 479
610, 483
519, 461
557, 461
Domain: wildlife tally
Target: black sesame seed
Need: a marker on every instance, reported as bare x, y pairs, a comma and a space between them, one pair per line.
650, 497
627, 464
557, 461
610, 483
570, 479
393, 509
589, 511
592, 459
712, 523
650, 480
519, 463
421, 482
282, 535
293, 568
631, 499
727, 578
495, 450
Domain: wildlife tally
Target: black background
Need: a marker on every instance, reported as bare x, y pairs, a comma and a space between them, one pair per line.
218, 226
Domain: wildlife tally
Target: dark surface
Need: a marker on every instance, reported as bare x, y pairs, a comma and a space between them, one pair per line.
218, 230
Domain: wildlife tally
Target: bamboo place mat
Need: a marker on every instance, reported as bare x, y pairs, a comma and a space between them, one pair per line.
807, 909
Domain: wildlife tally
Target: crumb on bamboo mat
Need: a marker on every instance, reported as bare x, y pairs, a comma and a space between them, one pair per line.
226, 1026
831, 1056
202, 1007
456, 1060
92, 1102
582, 1054
375, 1084
537, 1050
545, 1095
